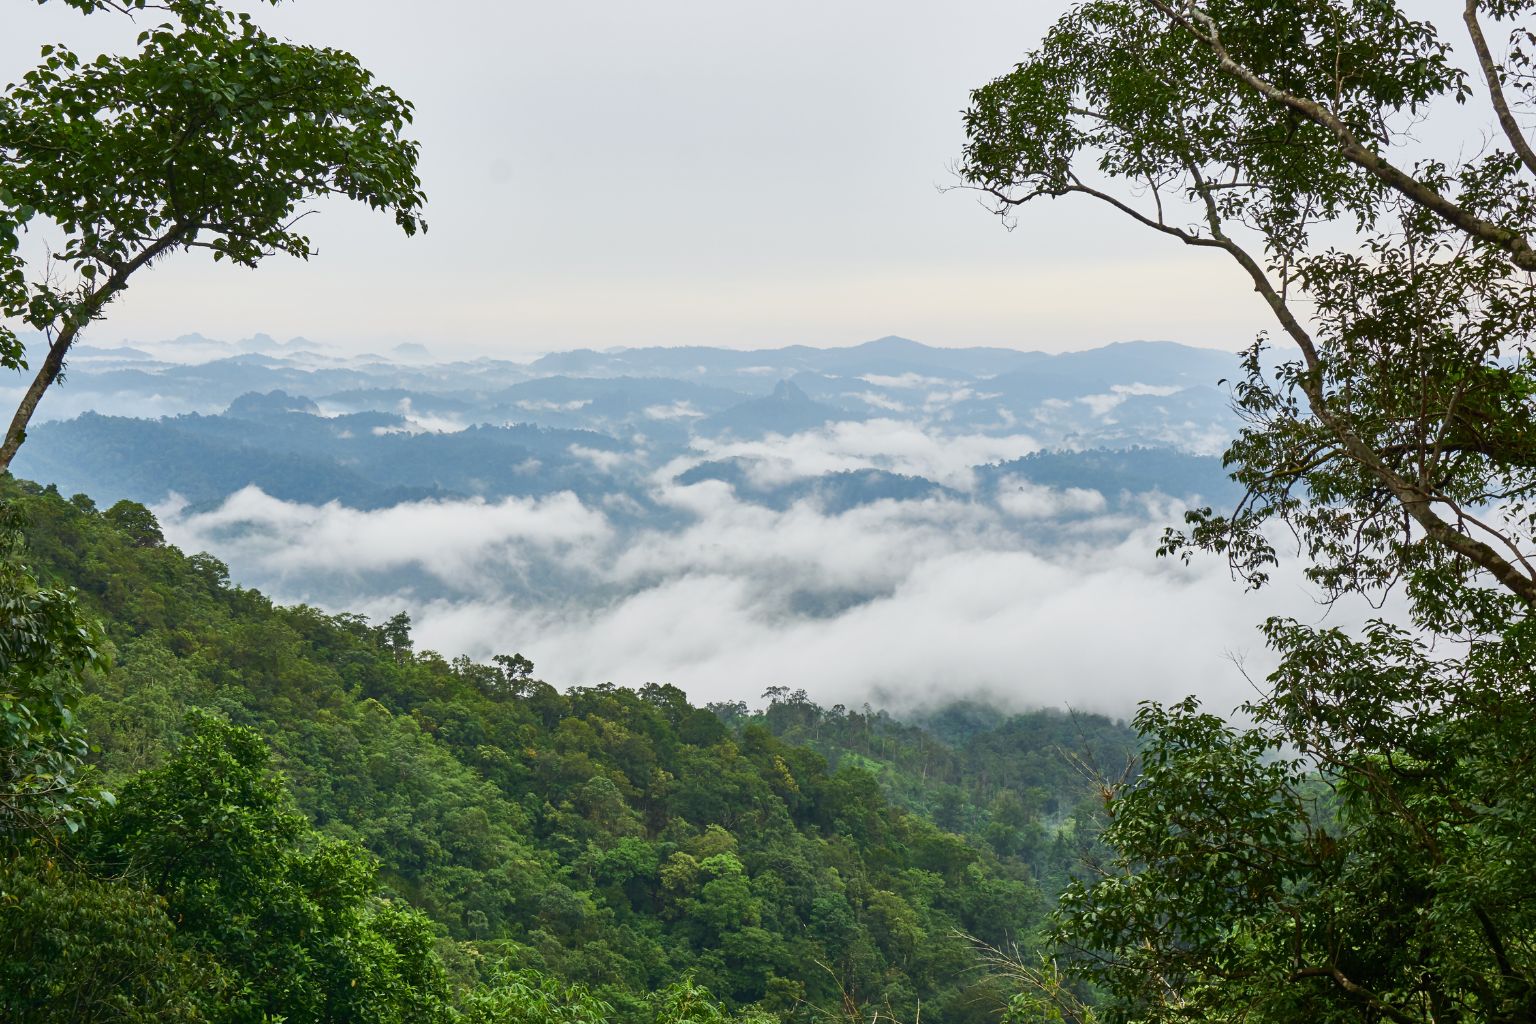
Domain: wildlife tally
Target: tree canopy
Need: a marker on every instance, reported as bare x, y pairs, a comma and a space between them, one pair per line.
1352, 854
210, 134
602, 854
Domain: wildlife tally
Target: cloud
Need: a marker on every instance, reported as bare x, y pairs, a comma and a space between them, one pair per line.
464, 544
66, 403
801, 550
539, 405
879, 401
1022, 628
1156, 390
679, 410
422, 425
1040, 600
905, 380
1102, 405
1027, 500
606, 461
891, 445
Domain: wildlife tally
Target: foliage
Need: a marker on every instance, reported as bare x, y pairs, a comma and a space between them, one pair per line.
289, 915
1351, 854
204, 896
210, 134
46, 647
528, 997
615, 840
1017, 785
79, 949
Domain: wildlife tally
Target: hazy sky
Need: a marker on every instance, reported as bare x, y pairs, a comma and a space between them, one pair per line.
682, 171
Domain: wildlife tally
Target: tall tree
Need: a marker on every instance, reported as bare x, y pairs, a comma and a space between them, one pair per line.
1354, 854
211, 135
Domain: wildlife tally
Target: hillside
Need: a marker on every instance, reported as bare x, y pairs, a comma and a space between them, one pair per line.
621, 840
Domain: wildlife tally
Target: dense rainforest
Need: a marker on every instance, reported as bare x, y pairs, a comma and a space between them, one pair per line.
307, 818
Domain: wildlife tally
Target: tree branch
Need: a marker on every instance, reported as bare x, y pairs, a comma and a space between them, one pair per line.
1507, 120
1355, 989
1415, 501
77, 318
1203, 27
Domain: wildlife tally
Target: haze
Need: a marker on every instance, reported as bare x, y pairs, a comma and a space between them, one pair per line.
681, 172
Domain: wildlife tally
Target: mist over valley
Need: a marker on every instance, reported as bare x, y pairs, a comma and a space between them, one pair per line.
888, 522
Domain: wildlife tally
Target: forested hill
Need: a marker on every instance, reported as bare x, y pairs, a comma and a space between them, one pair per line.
795, 860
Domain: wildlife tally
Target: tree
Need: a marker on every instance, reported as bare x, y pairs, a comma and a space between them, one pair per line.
46, 647
211, 135
81, 950
137, 521
529, 997
293, 920
1352, 854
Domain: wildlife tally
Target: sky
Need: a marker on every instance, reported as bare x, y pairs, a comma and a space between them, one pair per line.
681, 172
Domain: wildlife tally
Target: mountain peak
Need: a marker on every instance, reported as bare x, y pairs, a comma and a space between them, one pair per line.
789, 391
893, 343
256, 405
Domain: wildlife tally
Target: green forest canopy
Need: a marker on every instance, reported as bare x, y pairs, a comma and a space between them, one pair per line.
472, 825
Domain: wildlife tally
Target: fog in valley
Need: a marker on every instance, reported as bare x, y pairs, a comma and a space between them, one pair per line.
889, 523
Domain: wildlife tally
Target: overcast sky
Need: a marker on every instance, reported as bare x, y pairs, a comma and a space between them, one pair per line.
682, 172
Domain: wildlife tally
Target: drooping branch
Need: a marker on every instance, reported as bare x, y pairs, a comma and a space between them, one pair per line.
1417, 502
1355, 989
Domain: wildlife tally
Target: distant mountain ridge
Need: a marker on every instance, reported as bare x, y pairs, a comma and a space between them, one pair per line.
891, 355
370, 432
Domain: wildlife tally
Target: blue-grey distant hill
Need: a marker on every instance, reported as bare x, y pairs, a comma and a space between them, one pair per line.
311, 426
363, 460
787, 410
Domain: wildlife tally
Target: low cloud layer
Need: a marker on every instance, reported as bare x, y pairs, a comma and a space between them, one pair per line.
892, 445
468, 546
1040, 600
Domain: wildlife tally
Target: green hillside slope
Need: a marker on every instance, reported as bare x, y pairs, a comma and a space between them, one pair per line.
620, 840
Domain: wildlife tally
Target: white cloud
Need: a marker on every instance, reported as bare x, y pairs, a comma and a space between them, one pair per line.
66, 403
1098, 633
463, 544
1157, 390
420, 425
900, 603
1026, 500
604, 460
879, 401
534, 405
1102, 405
905, 380
866, 549
890, 445
413, 422
936, 400
680, 410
